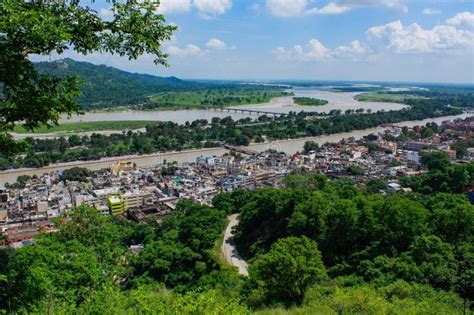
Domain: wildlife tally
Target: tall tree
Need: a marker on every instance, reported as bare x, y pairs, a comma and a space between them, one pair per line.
44, 27
291, 265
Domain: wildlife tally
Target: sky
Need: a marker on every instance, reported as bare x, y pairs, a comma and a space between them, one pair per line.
357, 40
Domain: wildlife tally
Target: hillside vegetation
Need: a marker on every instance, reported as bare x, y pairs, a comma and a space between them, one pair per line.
106, 87
314, 247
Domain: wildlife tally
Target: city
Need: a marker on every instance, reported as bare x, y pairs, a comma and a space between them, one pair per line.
214, 157
139, 194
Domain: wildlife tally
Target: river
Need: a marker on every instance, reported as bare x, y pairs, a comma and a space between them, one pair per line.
289, 146
337, 100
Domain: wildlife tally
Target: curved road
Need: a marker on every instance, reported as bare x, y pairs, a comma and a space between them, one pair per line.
229, 250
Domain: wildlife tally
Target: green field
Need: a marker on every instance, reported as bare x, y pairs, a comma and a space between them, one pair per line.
88, 126
212, 98
309, 101
385, 97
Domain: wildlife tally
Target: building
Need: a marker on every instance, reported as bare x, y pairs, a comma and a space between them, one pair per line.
415, 145
42, 206
135, 199
116, 204
413, 156
122, 166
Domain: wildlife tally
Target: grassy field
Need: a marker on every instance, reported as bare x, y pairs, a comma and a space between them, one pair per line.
309, 101
384, 97
88, 126
212, 98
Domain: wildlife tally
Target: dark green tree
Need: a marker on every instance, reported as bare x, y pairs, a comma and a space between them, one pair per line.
291, 265
46, 27
436, 160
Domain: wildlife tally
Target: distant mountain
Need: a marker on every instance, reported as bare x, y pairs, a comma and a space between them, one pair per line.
104, 86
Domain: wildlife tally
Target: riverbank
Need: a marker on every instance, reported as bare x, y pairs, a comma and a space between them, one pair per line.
288, 146
86, 126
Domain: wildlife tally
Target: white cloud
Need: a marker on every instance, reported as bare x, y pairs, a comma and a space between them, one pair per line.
189, 50
174, 6
215, 43
397, 38
353, 50
395, 5
211, 8
431, 11
205, 8
462, 19
315, 50
287, 8
391, 39
331, 8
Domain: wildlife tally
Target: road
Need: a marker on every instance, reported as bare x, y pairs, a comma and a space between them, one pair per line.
229, 250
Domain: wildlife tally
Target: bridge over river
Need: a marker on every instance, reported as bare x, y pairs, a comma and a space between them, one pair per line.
250, 111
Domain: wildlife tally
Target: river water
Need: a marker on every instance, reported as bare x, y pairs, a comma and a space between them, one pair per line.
288, 146
337, 100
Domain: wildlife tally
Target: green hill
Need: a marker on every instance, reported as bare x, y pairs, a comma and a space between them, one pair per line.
108, 87
104, 86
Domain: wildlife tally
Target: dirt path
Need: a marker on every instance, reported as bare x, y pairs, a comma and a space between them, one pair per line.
229, 250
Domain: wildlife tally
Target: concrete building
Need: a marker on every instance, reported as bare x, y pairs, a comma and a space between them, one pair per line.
415, 145
116, 204
122, 166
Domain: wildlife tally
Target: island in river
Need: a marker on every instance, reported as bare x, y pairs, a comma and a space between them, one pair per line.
209, 130
309, 101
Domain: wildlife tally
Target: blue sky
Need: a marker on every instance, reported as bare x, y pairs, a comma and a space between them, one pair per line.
376, 40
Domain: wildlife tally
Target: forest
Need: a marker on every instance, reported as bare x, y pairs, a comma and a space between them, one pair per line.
314, 247
167, 136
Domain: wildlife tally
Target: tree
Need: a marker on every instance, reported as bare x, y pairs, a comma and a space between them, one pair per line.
452, 218
402, 220
76, 174
376, 185
435, 160
310, 146
313, 181
435, 260
45, 27
309, 217
354, 169
465, 259
290, 266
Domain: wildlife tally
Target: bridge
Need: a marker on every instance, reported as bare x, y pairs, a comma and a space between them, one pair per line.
250, 111
241, 149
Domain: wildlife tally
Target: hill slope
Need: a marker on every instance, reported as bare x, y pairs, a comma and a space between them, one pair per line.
104, 86
108, 87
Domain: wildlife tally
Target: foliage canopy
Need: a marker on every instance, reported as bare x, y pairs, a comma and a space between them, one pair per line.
46, 27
